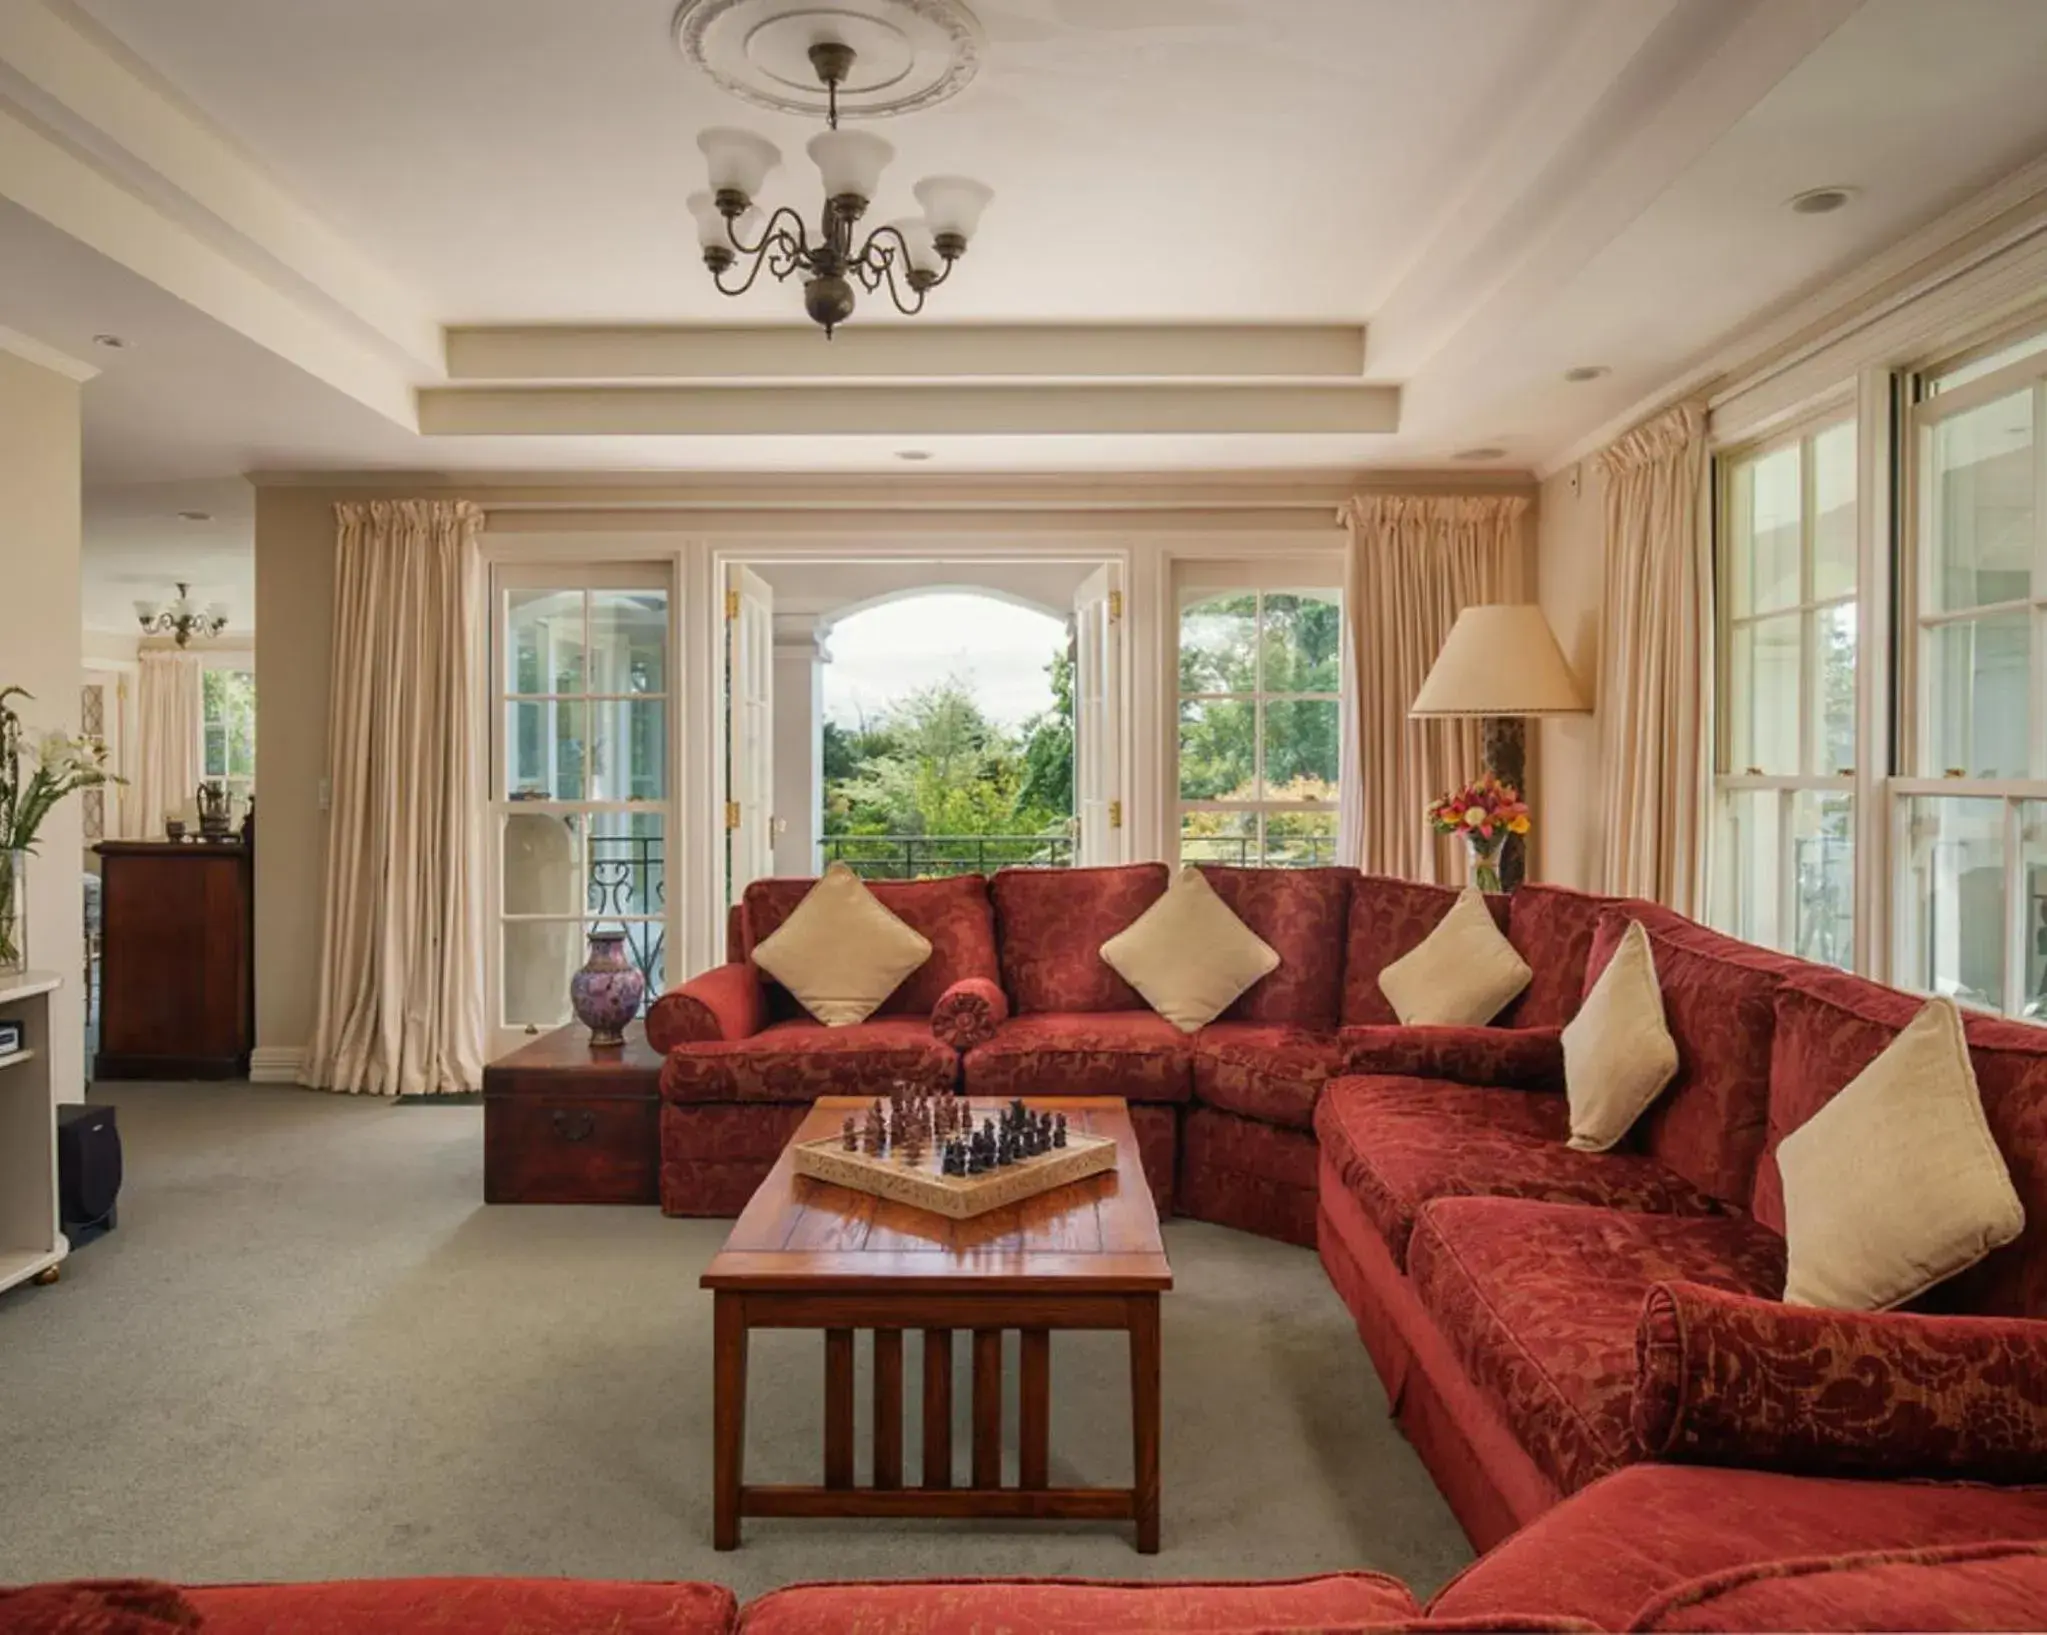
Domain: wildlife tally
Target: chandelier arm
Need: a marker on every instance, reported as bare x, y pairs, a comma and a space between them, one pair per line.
895, 294
759, 260
771, 230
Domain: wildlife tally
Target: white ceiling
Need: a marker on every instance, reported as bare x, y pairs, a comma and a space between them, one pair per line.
304, 195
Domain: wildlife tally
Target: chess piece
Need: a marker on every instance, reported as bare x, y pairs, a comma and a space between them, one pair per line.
1059, 1132
849, 1137
876, 1135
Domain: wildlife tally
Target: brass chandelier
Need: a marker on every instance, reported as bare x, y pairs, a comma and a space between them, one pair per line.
910, 258
183, 619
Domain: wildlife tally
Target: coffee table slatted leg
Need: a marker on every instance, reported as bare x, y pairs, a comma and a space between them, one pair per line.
1034, 1410
1144, 1418
888, 1408
987, 1407
838, 1407
938, 1407
729, 1415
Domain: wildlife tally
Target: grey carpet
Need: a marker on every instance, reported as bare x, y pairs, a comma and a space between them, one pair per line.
311, 1351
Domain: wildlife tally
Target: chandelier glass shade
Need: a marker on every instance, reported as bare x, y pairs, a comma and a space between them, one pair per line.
182, 619
909, 258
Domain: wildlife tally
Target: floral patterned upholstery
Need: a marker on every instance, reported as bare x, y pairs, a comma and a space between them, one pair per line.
1133, 1054
1389, 918
1253, 1176
1731, 1379
1397, 1143
1830, 1027
798, 1061
1273, 1074
1552, 928
1054, 922
97, 1606
1719, 1002
725, 1002
1516, 1058
466, 1606
1540, 1303
713, 1156
1302, 915
1045, 1606
954, 915
968, 1013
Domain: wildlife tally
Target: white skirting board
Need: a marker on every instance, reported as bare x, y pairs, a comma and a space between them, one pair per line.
276, 1064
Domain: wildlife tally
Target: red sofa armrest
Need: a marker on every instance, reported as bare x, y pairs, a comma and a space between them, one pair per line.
726, 1002
1513, 1058
1734, 1379
968, 1013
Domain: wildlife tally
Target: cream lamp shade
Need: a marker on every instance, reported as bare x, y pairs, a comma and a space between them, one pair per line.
1500, 659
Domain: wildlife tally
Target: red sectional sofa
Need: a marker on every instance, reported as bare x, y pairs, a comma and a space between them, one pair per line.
1586, 1349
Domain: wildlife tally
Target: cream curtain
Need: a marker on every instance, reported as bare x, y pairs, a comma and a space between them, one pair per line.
401, 1008
1415, 561
171, 722
1655, 670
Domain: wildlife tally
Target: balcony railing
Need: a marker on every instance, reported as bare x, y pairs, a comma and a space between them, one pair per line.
913, 857
1281, 852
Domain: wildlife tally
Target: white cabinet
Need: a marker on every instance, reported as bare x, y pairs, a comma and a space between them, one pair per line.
30, 1243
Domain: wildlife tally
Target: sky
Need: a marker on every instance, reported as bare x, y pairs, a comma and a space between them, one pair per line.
886, 652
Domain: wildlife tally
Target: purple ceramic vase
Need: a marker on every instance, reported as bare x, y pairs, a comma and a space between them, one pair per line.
606, 993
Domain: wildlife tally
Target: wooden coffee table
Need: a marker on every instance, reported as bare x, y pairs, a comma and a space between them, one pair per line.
807, 1254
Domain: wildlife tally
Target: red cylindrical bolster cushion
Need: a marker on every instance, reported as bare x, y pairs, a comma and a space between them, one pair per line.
1515, 1058
724, 1003
968, 1013
1734, 1379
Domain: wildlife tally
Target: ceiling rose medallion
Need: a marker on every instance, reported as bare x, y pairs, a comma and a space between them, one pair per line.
910, 257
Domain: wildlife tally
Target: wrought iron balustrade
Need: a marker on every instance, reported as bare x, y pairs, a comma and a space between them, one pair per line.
628, 879
1241, 851
912, 857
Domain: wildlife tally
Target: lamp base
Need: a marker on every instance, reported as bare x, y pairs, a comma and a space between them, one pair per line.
1506, 758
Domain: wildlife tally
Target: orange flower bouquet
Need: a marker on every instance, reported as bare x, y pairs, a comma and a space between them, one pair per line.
1485, 812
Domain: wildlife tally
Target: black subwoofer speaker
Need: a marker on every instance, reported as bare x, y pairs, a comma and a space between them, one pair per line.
88, 1168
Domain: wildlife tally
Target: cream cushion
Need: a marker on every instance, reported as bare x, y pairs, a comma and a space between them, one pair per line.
1462, 974
1618, 1053
1896, 1183
840, 952
1188, 954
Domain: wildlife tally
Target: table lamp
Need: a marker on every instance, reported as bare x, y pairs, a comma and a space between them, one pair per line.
1500, 663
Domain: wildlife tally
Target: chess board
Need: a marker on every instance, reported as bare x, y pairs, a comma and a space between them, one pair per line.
959, 1197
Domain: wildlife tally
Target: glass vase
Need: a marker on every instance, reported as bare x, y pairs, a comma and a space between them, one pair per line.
13, 912
1485, 859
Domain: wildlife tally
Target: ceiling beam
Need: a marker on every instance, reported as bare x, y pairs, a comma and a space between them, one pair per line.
567, 352
959, 410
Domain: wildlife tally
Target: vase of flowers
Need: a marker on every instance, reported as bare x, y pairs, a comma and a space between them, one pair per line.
1485, 813
31, 783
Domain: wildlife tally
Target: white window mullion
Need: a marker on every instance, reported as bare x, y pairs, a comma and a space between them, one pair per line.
2014, 910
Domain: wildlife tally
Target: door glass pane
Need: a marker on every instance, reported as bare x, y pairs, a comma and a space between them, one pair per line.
1978, 679
1748, 892
1303, 634
1823, 861
1951, 898
1219, 837
1217, 753
628, 748
539, 957
544, 641
1833, 541
544, 749
1981, 506
541, 864
1300, 840
1762, 702
1300, 749
627, 871
1764, 565
1833, 726
1218, 645
628, 641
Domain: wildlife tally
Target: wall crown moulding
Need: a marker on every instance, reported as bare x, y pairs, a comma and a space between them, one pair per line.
910, 54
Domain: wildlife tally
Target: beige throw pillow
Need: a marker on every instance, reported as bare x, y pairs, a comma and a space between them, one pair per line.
1462, 974
1188, 954
840, 952
1618, 1054
1896, 1183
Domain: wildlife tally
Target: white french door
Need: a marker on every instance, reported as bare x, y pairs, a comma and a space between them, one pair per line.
581, 798
1098, 721
750, 728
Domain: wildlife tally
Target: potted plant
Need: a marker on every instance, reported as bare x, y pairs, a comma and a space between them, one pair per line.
60, 763
1485, 812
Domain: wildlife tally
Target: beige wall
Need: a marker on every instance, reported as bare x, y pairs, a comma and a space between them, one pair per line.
1569, 568
41, 649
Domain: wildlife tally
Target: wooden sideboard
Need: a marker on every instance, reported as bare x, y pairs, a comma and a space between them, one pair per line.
177, 972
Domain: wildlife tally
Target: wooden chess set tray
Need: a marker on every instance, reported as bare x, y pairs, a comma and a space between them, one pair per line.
907, 1149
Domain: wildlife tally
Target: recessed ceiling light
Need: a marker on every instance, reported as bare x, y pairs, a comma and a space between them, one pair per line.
1585, 372
113, 343
1487, 453
195, 516
1820, 201
913, 454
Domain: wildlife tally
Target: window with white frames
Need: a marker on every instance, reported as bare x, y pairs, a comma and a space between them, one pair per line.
227, 749
1258, 728
581, 782
1969, 836
1783, 848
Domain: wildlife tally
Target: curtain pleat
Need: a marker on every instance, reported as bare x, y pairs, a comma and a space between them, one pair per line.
1655, 671
401, 1004
171, 721
1414, 563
